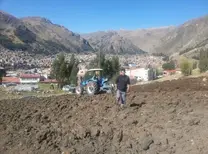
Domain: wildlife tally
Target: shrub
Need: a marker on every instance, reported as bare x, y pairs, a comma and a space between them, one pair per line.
203, 60
186, 66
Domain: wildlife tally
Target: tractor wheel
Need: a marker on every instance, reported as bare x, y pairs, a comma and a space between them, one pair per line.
79, 90
92, 88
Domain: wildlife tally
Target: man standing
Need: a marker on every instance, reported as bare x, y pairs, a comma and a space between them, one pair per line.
122, 83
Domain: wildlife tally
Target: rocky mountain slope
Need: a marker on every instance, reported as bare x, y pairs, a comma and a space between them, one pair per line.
39, 35
146, 39
186, 38
112, 42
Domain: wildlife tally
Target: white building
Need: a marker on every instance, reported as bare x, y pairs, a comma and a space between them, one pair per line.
139, 73
11, 74
29, 78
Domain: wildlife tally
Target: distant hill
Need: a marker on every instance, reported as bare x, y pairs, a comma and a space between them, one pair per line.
112, 42
39, 35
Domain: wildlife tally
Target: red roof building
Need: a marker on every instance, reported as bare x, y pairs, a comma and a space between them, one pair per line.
30, 76
10, 80
169, 72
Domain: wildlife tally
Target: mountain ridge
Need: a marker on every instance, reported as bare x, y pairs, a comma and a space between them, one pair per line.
112, 42
40, 35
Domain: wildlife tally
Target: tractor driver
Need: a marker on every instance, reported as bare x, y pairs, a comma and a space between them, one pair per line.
97, 75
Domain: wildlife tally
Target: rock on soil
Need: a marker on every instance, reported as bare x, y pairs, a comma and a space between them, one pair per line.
164, 118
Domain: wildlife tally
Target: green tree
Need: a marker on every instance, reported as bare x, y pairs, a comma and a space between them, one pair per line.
64, 72
158, 71
115, 64
186, 66
169, 66
70, 67
73, 74
110, 66
59, 69
203, 61
2, 73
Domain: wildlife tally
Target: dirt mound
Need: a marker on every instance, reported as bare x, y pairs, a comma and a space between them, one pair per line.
166, 121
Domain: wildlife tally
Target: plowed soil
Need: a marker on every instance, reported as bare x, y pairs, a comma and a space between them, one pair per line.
161, 118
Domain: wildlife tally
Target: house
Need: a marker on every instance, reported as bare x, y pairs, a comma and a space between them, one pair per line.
10, 80
29, 78
169, 72
139, 73
132, 65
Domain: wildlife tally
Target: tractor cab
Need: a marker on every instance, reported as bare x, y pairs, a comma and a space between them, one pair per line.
93, 82
95, 75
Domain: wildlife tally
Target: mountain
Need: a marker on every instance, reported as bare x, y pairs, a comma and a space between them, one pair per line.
112, 42
39, 35
187, 38
146, 39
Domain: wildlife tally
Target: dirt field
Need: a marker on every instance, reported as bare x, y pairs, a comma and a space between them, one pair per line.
161, 118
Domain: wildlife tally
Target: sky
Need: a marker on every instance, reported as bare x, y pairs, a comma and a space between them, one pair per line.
84, 16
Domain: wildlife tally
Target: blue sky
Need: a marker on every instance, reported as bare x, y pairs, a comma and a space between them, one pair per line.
93, 15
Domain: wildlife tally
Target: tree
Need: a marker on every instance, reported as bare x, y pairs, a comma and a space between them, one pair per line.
59, 69
194, 64
158, 71
186, 66
115, 64
70, 67
2, 73
73, 74
203, 60
64, 72
110, 66
169, 66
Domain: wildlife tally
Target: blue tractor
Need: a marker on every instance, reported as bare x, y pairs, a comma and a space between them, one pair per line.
93, 83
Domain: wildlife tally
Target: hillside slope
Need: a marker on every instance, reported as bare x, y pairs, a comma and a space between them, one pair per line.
146, 39
39, 35
112, 42
187, 38
192, 35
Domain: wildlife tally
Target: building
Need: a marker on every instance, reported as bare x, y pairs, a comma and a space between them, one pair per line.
11, 74
168, 72
139, 73
29, 78
10, 80
132, 65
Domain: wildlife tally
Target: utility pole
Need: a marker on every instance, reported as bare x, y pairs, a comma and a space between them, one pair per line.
99, 59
